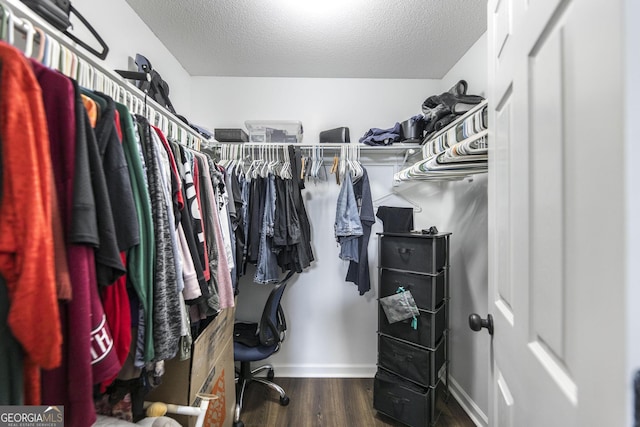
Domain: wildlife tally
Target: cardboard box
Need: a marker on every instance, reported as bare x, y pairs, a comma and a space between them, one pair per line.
210, 370
221, 382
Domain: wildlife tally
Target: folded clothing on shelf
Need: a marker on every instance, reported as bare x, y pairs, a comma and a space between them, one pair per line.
440, 110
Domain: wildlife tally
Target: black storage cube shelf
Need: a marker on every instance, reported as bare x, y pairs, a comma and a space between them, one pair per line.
402, 400
411, 362
427, 289
431, 326
412, 254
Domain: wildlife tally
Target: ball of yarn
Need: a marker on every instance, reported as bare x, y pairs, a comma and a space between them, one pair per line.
156, 409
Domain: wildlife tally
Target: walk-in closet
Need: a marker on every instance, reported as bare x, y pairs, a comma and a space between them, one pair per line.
415, 213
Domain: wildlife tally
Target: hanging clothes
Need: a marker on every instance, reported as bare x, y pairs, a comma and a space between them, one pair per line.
358, 271
238, 221
197, 183
116, 172
140, 257
189, 222
166, 307
348, 226
256, 213
109, 265
87, 348
26, 241
267, 265
111, 226
115, 298
275, 220
304, 256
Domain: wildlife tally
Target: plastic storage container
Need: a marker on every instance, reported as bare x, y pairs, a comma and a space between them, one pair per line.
274, 131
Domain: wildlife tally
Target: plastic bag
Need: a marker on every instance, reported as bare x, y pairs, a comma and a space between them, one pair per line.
400, 306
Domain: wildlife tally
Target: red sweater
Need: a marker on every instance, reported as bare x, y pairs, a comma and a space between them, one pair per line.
26, 237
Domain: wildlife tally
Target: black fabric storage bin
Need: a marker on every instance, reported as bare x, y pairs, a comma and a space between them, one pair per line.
230, 135
431, 327
401, 400
427, 290
411, 362
412, 253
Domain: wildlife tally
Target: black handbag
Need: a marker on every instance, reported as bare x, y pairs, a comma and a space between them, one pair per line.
58, 12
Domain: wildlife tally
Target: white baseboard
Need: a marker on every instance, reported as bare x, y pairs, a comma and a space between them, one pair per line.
475, 413
325, 371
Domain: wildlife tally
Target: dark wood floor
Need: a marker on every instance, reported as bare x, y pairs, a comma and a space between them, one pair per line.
329, 402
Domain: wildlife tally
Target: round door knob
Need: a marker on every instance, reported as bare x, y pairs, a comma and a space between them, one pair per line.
476, 323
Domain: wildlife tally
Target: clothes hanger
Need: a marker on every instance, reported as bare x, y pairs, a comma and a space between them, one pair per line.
90, 76
183, 138
379, 201
275, 162
29, 36
55, 54
42, 41
285, 172
116, 91
74, 66
10, 28
107, 83
223, 152
321, 167
266, 160
354, 164
358, 162
240, 163
48, 50
3, 17
67, 60
344, 153
100, 82
259, 162
334, 168
82, 72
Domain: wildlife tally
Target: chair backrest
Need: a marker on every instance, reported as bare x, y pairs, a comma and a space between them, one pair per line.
272, 326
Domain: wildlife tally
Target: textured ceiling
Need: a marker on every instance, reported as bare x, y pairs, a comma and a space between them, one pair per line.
316, 38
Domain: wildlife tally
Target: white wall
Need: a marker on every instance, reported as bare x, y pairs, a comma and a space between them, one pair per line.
464, 213
632, 150
126, 35
319, 104
472, 68
332, 328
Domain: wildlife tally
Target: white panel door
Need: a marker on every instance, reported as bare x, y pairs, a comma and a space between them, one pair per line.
555, 279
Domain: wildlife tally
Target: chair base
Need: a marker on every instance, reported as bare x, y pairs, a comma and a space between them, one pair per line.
247, 375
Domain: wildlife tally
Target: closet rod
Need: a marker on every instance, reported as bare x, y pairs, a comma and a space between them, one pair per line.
124, 87
394, 148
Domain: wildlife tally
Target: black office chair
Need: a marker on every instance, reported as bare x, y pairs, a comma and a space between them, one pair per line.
257, 341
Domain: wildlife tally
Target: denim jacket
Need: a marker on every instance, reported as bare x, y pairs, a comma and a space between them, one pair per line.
348, 226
